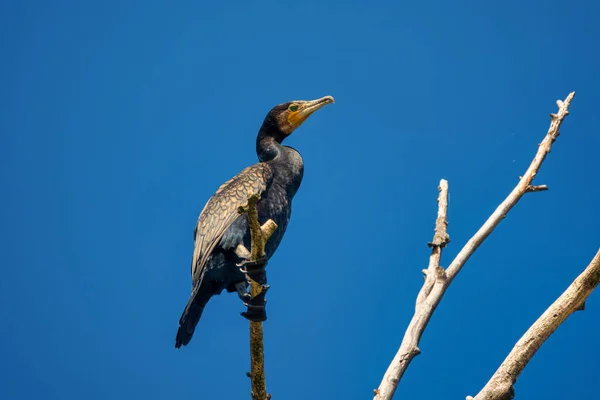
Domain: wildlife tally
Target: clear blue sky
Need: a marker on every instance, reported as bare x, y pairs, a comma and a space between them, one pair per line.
118, 119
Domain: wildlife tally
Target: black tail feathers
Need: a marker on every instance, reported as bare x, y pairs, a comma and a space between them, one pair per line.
190, 317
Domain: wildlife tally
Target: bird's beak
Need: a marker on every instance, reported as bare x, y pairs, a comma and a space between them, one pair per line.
306, 108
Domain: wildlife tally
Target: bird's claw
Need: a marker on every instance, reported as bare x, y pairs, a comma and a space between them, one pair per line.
256, 306
255, 270
241, 288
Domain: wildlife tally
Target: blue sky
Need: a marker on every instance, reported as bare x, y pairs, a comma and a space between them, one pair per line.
118, 120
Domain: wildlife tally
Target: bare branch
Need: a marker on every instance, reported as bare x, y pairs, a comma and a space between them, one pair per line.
500, 386
518, 192
437, 280
434, 286
259, 236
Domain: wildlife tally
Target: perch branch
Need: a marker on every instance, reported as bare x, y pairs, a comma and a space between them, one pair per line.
500, 386
437, 280
259, 236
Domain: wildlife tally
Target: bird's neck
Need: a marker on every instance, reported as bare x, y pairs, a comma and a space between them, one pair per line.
267, 147
287, 164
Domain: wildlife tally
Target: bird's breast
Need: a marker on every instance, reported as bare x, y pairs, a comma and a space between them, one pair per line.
277, 206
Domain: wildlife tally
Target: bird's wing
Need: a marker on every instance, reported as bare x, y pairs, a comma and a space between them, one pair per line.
221, 211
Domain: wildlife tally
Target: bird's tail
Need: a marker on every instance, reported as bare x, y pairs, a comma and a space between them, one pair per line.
191, 315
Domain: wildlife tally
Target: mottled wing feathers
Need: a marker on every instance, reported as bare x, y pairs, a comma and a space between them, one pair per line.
221, 211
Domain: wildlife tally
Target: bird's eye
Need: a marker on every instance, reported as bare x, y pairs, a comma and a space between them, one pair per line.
293, 107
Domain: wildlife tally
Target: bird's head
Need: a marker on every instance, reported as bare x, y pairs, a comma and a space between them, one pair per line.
284, 118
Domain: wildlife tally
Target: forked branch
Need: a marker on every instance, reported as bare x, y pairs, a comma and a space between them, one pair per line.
437, 280
500, 386
259, 236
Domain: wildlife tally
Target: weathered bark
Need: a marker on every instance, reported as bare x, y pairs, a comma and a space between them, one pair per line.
259, 235
437, 280
500, 386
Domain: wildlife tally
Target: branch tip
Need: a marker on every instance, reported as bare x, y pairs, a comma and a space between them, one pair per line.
536, 188
268, 228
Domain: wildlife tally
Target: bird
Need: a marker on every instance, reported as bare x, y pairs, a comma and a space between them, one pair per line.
222, 235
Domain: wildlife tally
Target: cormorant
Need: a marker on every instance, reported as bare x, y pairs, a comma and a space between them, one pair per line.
220, 228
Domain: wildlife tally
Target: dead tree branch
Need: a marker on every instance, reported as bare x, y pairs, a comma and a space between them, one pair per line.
437, 280
500, 386
259, 235
522, 187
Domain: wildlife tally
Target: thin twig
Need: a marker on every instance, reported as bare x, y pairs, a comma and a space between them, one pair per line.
437, 281
259, 236
500, 386
536, 188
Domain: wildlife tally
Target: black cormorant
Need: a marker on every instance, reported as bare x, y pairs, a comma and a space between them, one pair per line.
221, 229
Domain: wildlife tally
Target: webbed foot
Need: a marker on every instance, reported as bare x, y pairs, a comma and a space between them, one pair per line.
256, 306
241, 288
255, 270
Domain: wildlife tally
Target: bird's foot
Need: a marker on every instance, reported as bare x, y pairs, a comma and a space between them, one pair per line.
241, 288
256, 306
255, 270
